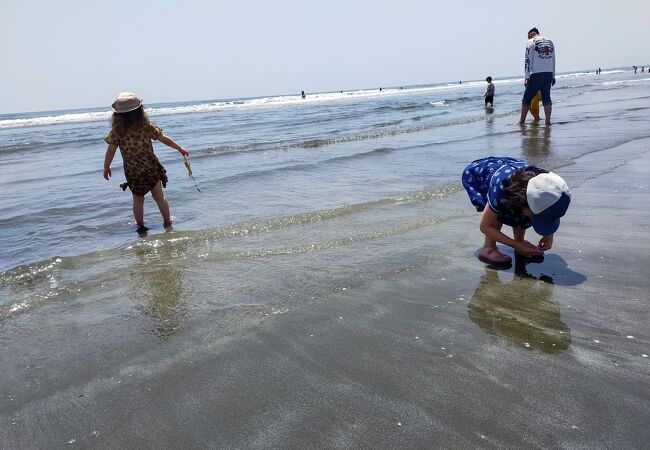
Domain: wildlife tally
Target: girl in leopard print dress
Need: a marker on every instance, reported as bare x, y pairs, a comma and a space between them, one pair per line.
132, 132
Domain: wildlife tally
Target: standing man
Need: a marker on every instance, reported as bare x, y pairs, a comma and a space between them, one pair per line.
539, 73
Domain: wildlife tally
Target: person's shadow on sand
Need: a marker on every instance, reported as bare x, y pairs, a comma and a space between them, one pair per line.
550, 268
523, 310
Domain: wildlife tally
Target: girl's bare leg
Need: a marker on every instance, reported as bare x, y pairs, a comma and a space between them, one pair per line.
490, 252
490, 243
138, 209
518, 234
159, 196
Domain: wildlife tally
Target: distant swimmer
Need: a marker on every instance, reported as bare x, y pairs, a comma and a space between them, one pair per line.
599, 71
380, 89
634, 67
303, 94
401, 87
489, 94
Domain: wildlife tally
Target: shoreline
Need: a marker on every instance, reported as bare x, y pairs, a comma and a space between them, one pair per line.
431, 355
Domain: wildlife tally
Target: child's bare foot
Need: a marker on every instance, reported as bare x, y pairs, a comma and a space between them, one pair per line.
142, 229
493, 255
547, 122
167, 224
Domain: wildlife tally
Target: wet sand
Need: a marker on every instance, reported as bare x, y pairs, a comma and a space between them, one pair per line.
449, 354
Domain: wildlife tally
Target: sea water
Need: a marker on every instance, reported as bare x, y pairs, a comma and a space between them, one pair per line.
299, 197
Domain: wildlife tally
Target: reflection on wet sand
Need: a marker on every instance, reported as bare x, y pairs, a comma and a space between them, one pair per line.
158, 286
522, 311
536, 141
489, 143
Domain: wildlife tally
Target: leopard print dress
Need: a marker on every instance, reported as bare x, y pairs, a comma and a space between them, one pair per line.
141, 165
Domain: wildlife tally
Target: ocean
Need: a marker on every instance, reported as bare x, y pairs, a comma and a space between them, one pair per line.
323, 290
299, 197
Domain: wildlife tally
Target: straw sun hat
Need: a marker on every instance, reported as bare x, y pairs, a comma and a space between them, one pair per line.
125, 102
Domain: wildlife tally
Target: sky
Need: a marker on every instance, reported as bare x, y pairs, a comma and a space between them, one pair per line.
81, 53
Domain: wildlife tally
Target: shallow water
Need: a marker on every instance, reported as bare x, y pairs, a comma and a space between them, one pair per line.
322, 291
306, 195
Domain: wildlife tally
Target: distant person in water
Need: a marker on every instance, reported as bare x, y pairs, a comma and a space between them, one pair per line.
512, 192
634, 67
489, 93
132, 132
380, 89
539, 67
303, 94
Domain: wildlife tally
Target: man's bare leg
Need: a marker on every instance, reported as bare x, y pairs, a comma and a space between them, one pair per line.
524, 112
547, 112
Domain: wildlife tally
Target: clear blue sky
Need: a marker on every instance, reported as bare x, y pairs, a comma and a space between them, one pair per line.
81, 53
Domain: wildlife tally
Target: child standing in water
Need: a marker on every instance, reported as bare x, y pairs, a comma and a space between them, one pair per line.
132, 132
518, 195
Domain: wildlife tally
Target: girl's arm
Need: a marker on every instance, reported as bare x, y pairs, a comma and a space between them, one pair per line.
491, 227
108, 159
546, 242
169, 142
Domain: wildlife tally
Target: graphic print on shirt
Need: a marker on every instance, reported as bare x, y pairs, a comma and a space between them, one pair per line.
540, 56
544, 49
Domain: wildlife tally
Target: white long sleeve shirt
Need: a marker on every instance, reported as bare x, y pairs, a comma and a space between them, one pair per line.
540, 56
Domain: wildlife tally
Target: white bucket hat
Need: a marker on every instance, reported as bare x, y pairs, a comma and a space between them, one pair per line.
126, 102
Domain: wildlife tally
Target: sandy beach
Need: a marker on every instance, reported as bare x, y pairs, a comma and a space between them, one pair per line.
445, 353
252, 225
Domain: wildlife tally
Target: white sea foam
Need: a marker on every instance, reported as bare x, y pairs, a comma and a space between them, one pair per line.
264, 102
55, 119
634, 80
586, 74
611, 71
207, 107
